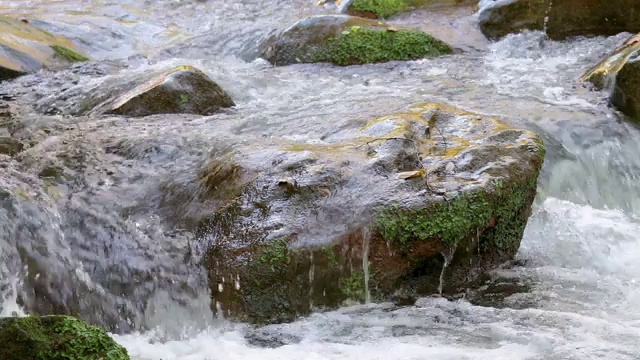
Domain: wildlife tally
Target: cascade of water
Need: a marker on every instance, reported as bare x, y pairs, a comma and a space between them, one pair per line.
366, 237
546, 17
312, 269
448, 256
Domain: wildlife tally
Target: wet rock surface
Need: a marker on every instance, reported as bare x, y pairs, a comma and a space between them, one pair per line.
181, 90
559, 19
421, 202
347, 40
620, 72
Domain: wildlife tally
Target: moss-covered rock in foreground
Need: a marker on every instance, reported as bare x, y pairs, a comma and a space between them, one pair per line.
25, 48
418, 202
346, 40
55, 338
181, 90
620, 71
564, 18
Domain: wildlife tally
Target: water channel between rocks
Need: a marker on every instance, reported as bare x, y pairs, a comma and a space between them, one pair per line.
574, 293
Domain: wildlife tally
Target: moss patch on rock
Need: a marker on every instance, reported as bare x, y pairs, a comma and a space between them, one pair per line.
453, 220
348, 40
68, 54
56, 338
379, 8
364, 46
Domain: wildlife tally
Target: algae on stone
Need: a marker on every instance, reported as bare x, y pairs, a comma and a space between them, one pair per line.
55, 338
347, 40
378, 8
365, 46
68, 54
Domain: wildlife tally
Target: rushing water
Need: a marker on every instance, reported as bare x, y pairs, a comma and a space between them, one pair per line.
577, 281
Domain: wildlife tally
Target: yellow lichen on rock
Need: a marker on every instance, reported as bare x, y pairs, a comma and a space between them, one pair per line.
605, 71
31, 48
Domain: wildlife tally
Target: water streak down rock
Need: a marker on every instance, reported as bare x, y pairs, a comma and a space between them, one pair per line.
560, 19
407, 191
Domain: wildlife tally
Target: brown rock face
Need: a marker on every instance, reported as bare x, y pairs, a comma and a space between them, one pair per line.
565, 17
620, 71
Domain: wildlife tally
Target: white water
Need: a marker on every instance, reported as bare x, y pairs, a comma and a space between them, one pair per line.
581, 248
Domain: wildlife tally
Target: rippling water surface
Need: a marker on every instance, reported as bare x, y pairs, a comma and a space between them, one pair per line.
577, 282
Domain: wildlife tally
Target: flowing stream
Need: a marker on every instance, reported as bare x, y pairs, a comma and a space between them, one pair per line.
574, 292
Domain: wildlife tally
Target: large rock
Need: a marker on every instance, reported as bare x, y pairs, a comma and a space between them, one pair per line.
181, 90
565, 18
382, 9
55, 338
620, 71
346, 40
25, 48
414, 203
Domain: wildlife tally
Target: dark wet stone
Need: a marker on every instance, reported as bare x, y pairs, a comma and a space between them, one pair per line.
565, 18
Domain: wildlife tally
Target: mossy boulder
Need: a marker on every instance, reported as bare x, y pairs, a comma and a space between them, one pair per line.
25, 48
620, 72
567, 18
413, 203
10, 146
55, 338
382, 9
347, 40
181, 90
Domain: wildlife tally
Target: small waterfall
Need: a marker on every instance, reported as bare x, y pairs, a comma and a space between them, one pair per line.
312, 269
366, 237
546, 18
448, 256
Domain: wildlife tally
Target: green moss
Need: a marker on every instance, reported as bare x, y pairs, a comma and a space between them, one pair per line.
451, 221
68, 54
275, 254
381, 8
353, 287
364, 46
56, 338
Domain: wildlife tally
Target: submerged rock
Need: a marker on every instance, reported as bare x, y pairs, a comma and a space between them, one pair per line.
414, 203
347, 40
563, 18
181, 90
55, 337
620, 71
25, 48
